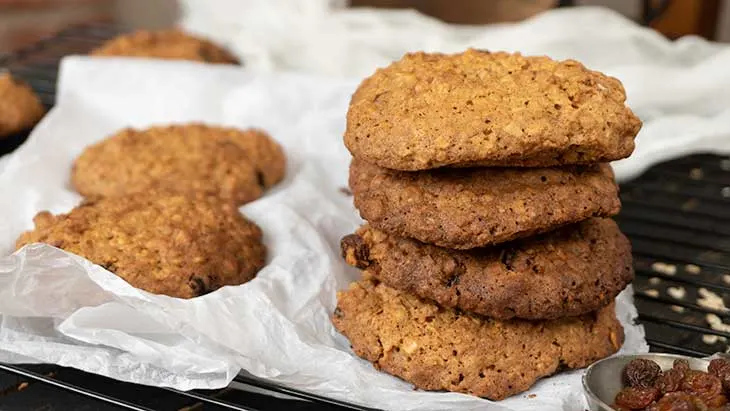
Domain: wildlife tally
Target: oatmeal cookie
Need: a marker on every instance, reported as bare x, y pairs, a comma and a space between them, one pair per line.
568, 272
479, 108
236, 165
468, 208
443, 349
166, 44
162, 243
20, 107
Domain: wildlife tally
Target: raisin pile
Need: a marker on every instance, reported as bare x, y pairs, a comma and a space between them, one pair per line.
679, 388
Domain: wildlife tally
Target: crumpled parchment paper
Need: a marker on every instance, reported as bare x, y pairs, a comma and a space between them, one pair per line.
59, 308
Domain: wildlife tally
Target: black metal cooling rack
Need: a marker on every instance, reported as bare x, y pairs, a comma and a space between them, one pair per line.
676, 215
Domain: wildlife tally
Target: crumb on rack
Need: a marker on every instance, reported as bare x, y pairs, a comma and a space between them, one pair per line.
709, 299
677, 308
716, 323
677, 292
652, 293
656, 280
710, 339
692, 269
664, 268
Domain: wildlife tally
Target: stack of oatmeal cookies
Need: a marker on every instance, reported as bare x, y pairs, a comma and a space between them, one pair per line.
489, 259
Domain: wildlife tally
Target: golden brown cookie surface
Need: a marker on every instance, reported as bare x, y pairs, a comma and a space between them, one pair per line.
166, 44
488, 109
442, 349
468, 208
568, 272
20, 107
236, 165
161, 243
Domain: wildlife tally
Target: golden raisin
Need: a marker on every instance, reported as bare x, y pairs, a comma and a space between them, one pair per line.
704, 385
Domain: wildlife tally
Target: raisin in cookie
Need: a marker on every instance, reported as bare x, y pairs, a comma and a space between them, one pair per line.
162, 243
468, 208
236, 165
478, 108
20, 107
442, 349
567, 272
166, 44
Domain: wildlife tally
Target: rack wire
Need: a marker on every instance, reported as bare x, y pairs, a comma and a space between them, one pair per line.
676, 215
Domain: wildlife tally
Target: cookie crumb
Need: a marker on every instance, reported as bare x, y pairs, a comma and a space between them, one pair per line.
531, 395
346, 191
726, 278
652, 293
677, 292
696, 174
716, 323
692, 269
677, 308
664, 268
710, 339
655, 281
709, 299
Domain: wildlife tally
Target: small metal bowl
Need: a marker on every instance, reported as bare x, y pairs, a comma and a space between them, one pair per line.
602, 380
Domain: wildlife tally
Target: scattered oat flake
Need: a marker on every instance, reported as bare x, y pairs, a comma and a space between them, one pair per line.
664, 268
677, 308
23, 385
532, 396
710, 339
677, 292
710, 300
716, 323
656, 280
696, 174
652, 293
692, 269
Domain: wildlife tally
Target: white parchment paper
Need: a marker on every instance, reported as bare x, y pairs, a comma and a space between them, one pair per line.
59, 308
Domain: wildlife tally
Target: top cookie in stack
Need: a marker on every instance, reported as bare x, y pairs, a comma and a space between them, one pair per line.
488, 109
485, 181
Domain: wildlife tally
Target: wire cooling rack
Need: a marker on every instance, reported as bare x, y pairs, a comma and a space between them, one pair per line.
676, 215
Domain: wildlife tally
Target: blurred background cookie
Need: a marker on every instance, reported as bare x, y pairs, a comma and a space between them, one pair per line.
20, 107
159, 242
235, 165
169, 44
